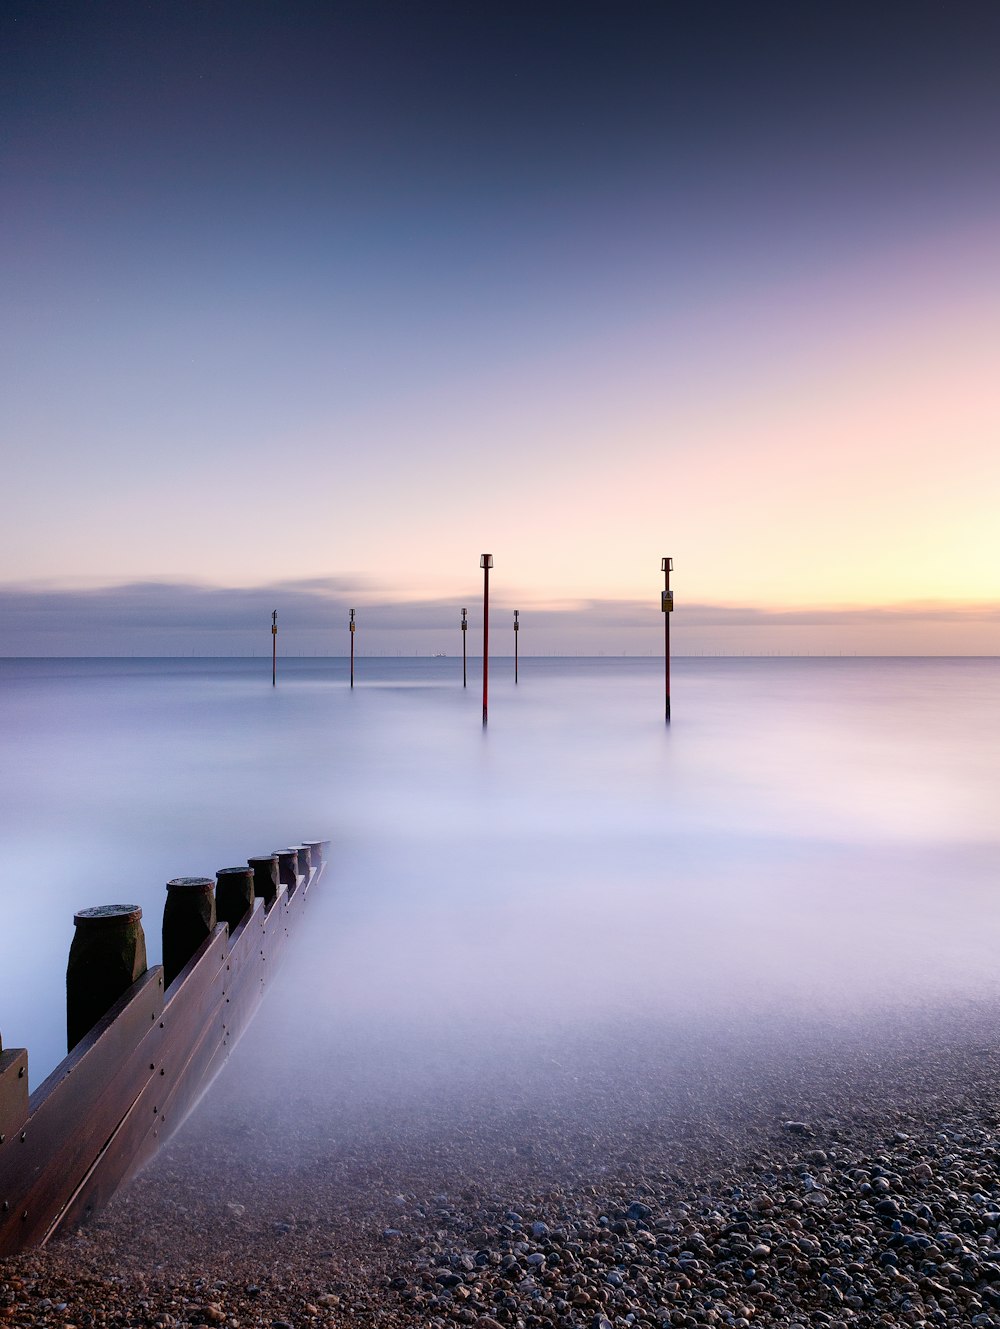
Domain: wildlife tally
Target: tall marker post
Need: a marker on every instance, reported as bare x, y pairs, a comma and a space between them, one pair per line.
274, 648
486, 562
352, 648
667, 605
516, 626
465, 629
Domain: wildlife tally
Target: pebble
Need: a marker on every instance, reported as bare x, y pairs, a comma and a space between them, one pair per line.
892, 1222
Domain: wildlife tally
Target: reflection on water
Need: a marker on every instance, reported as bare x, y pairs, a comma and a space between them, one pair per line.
808, 834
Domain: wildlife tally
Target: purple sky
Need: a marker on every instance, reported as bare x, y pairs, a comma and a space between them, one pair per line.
342, 295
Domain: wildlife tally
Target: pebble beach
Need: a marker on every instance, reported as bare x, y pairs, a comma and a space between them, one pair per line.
826, 1179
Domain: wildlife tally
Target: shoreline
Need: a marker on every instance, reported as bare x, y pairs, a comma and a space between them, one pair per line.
868, 1193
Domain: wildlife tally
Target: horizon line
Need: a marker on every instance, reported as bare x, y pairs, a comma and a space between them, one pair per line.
543, 655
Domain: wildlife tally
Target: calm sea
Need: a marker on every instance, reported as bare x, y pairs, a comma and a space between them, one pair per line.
807, 835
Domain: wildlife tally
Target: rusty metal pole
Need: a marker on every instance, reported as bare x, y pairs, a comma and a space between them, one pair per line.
274, 648
667, 605
515, 645
465, 628
352, 648
486, 562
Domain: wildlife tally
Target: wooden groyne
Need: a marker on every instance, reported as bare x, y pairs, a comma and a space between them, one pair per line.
143, 1048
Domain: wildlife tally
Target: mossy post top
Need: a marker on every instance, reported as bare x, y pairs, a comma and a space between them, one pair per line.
104, 915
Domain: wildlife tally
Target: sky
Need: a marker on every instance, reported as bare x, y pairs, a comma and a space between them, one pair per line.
306, 305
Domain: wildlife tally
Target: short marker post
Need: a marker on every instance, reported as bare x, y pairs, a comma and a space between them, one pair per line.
352, 648
107, 956
516, 629
233, 895
265, 877
188, 919
274, 648
667, 605
288, 869
465, 628
486, 562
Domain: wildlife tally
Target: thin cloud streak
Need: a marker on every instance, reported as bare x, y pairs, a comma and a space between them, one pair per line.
173, 616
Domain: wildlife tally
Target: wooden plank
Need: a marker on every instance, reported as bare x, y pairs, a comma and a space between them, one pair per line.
195, 1000
243, 982
193, 1030
186, 1086
75, 1111
247, 944
252, 962
116, 1161
279, 900
13, 1091
165, 1105
250, 973
293, 910
299, 901
250, 920
158, 1111
275, 932
253, 959
194, 1015
191, 1015
192, 979
98, 1054
243, 987
243, 995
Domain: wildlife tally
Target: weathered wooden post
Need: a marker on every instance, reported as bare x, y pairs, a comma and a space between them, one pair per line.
465, 629
108, 954
188, 918
233, 895
265, 877
305, 858
288, 867
13, 1090
316, 848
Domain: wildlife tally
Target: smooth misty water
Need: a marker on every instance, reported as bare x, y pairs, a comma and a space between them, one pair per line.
808, 836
